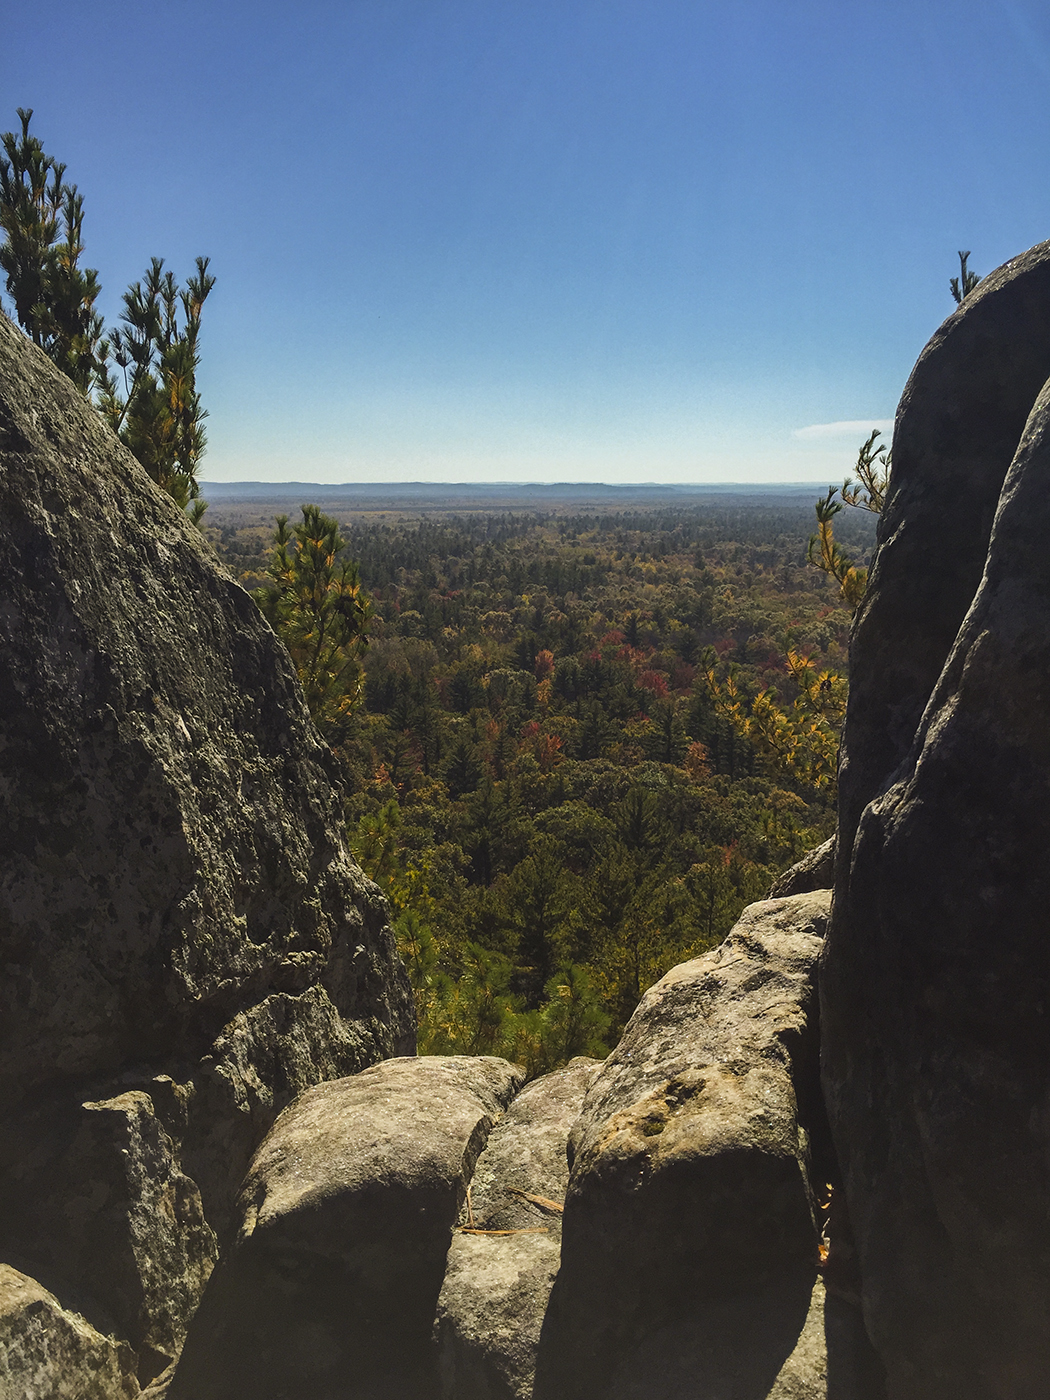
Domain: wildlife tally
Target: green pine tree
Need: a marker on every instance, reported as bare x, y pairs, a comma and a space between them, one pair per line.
964, 284
157, 413
317, 606
42, 220
156, 410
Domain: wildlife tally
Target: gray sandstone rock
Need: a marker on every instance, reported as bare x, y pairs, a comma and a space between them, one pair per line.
185, 941
92, 1194
689, 1245
47, 1353
936, 983
815, 871
263, 1058
171, 850
959, 420
346, 1218
804, 1375
496, 1287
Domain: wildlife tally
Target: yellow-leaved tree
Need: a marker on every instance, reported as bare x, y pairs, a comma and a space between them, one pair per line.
801, 740
868, 492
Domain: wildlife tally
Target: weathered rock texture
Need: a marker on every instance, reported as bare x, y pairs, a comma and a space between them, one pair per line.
47, 1353
804, 1375
496, 1287
346, 1218
815, 871
171, 843
936, 984
959, 421
185, 941
689, 1246
105, 1214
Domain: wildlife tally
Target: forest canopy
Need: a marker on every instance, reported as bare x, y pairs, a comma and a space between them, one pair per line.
542, 776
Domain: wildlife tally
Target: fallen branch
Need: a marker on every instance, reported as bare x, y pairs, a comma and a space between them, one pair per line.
542, 1201
471, 1230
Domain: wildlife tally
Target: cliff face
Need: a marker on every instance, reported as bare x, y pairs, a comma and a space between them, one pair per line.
181, 923
935, 981
958, 424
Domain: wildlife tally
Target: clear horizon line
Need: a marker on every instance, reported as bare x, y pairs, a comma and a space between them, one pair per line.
614, 485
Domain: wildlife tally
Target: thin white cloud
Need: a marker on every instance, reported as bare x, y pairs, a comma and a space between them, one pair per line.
847, 428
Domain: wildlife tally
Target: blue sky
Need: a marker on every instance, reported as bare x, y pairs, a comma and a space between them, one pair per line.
583, 240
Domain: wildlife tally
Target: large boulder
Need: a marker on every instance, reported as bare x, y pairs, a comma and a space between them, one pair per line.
689, 1247
935, 987
170, 840
503, 1261
185, 941
959, 421
346, 1218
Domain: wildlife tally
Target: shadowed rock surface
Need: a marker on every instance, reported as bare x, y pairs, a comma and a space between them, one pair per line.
346, 1218
170, 837
185, 940
496, 1287
689, 1245
935, 986
104, 1211
958, 423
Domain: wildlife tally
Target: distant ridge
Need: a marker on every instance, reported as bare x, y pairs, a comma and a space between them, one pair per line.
510, 494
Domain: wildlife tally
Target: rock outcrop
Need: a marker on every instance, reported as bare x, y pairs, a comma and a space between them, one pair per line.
958, 424
935, 987
108, 1218
346, 1217
47, 1353
502, 1264
689, 1246
185, 940
815, 871
688, 1263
